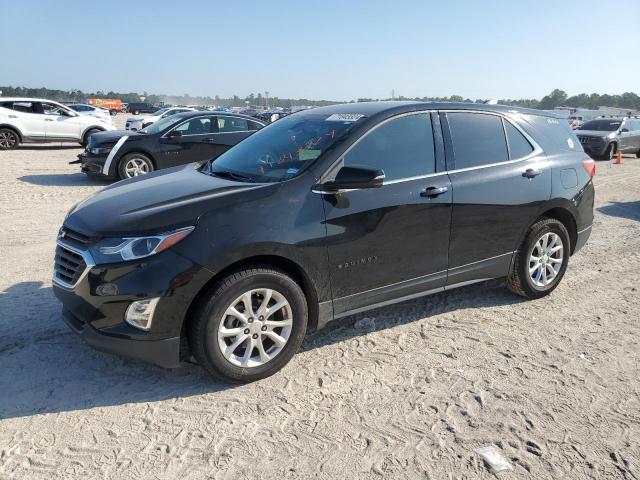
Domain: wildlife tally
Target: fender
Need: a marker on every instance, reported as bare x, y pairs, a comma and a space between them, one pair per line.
14, 128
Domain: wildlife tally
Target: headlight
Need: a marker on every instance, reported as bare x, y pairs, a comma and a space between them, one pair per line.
100, 150
111, 250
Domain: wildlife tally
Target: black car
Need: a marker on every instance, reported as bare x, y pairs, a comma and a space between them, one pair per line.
141, 107
171, 141
322, 214
602, 138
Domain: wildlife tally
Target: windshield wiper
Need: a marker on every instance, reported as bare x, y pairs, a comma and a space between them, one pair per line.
231, 175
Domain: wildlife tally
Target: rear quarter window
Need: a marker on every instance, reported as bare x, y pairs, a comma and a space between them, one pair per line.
552, 134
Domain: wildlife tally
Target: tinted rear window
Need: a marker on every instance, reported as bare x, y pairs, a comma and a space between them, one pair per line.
552, 134
478, 139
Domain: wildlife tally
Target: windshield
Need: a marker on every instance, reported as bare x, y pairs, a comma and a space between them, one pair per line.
283, 149
160, 125
602, 125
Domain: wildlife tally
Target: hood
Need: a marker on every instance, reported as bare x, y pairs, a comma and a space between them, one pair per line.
157, 202
109, 137
593, 133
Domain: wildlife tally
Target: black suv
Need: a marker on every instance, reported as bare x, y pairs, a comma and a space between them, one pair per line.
141, 107
322, 214
602, 138
171, 141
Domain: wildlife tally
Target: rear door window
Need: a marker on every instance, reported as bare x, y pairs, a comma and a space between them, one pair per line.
402, 148
478, 139
232, 124
519, 146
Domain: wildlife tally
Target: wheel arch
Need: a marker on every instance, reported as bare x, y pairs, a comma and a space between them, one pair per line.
565, 217
14, 129
88, 129
285, 264
136, 150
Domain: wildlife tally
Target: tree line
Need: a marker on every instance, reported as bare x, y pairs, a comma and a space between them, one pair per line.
556, 98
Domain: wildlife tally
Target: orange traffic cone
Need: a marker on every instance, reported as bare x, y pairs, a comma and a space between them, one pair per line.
618, 158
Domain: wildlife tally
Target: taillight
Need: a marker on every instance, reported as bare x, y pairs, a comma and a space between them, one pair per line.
590, 166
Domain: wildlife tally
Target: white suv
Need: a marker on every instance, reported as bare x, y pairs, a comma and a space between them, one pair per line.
140, 122
31, 120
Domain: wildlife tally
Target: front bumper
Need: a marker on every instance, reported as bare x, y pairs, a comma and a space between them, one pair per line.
93, 164
165, 353
594, 147
96, 305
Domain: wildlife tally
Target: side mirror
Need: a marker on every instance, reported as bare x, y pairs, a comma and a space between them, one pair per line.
623, 130
173, 134
353, 177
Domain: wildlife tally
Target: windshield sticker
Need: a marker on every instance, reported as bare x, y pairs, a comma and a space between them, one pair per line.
307, 154
344, 117
570, 143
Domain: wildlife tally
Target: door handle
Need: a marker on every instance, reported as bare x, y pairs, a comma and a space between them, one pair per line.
48, 119
531, 173
431, 192
13, 116
209, 140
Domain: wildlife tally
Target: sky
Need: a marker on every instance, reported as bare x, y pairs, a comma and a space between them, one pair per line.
334, 50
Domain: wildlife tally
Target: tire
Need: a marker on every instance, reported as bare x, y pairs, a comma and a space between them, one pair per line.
136, 112
638, 154
85, 139
113, 112
520, 281
8, 139
207, 340
133, 165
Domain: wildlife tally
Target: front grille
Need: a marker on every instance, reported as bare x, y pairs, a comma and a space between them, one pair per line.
75, 238
68, 266
584, 140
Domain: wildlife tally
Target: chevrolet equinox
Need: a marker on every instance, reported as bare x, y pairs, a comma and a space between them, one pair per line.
323, 214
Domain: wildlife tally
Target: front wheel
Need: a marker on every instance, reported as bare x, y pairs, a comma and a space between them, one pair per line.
249, 325
134, 165
610, 152
541, 259
8, 139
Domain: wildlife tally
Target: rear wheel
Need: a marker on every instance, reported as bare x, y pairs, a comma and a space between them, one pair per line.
8, 139
136, 112
249, 325
541, 260
134, 165
113, 112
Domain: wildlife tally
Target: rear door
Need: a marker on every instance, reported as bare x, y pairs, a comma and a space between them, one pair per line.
229, 131
31, 119
500, 178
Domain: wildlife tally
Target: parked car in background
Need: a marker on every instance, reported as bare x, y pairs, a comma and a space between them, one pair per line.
84, 109
141, 107
125, 107
138, 123
602, 138
320, 215
114, 105
270, 116
174, 140
32, 120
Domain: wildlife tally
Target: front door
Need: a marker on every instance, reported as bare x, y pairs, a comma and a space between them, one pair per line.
390, 242
60, 123
499, 184
193, 145
31, 119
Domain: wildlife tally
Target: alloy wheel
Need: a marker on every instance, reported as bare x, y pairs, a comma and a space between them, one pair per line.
255, 328
7, 140
546, 259
135, 167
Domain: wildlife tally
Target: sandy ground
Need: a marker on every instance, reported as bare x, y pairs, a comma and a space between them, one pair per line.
407, 391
